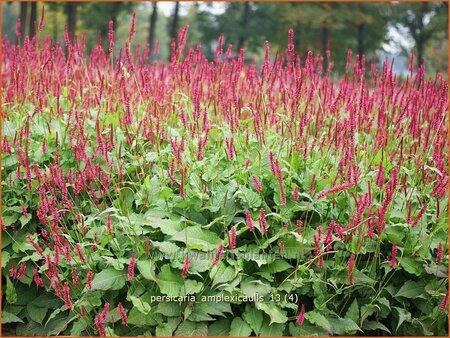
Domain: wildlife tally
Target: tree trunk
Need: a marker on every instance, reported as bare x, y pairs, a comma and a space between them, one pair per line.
33, 18
71, 11
153, 18
325, 45
244, 24
420, 47
23, 18
297, 35
174, 28
360, 40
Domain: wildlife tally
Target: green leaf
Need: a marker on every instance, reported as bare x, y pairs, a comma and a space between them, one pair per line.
272, 330
275, 313
188, 329
251, 198
277, 266
5, 258
395, 233
170, 283
135, 317
372, 325
109, 279
164, 330
78, 327
198, 238
59, 324
147, 269
36, 313
142, 306
318, 319
222, 274
207, 309
239, 328
295, 247
221, 328
169, 309
254, 318
252, 288
353, 311
411, 265
403, 316
306, 330
8, 317
30, 329
411, 290
342, 326
11, 295
191, 287
157, 220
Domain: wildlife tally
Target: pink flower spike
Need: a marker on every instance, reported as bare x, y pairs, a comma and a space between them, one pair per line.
186, 266
122, 313
232, 238
296, 194
131, 267
257, 184
301, 315
393, 256
249, 221
218, 255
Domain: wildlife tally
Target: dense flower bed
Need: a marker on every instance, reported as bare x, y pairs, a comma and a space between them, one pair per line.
201, 197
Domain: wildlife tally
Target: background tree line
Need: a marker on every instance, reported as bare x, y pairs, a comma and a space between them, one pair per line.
372, 29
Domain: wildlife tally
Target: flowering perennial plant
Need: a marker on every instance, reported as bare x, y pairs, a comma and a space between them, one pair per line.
125, 178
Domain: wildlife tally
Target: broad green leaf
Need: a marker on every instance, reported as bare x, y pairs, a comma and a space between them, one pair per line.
135, 317
169, 249
191, 287
169, 309
306, 329
250, 198
36, 313
157, 220
275, 313
318, 319
353, 311
11, 295
373, 325
411, 290
139, 304
164, 330
189, 329
8, 317
403, 316
59, 324
253, 317
170, 283
411, 265
342, 326
278, 266
197, 238
395, 233
147, 269
271, 330
78, 327
252, 288
220, 328
109, 279
208, 309
222, 274
30, 329
239, 328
